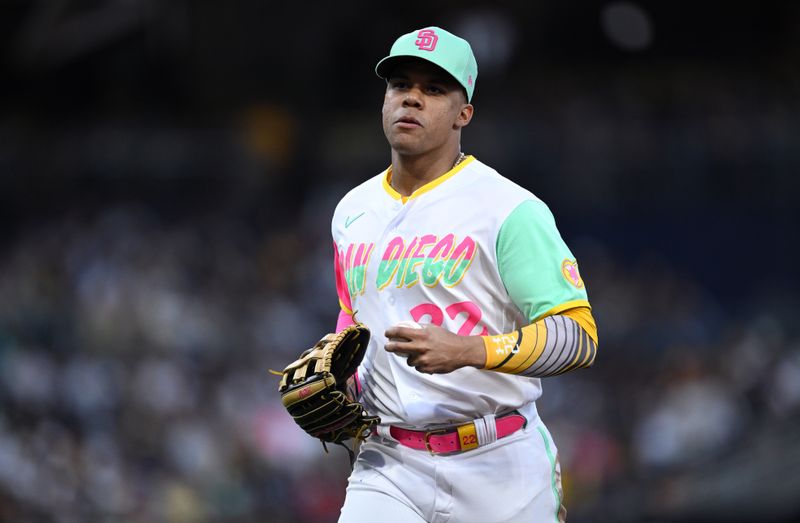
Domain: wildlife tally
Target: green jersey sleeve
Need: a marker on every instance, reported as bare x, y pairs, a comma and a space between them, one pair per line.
536, 266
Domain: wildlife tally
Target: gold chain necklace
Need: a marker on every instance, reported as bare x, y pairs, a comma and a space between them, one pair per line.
460, 159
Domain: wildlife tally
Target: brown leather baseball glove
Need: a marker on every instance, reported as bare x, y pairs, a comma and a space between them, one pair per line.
314, 388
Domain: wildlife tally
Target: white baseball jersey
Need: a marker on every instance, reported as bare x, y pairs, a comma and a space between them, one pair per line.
472, 252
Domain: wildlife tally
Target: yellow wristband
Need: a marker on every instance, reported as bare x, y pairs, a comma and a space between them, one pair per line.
500, 349
516, 351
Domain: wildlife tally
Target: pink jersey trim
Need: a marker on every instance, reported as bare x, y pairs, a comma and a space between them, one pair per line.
341, 283
344, 321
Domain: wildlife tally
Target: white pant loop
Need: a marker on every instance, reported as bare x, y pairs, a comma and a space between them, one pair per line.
486, 430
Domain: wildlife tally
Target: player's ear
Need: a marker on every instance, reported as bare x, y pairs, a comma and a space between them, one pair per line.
464, 116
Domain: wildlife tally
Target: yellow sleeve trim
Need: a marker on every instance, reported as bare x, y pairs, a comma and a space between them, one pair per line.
558, 309
583, 317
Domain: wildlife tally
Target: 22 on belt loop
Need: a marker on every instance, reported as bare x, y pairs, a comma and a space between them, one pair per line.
459, 438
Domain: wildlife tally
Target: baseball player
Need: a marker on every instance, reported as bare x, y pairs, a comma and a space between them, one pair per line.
471, 296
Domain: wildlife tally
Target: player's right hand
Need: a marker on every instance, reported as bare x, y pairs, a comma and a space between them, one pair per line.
433, 350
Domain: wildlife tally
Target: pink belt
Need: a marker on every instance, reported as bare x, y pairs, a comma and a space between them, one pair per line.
455, 439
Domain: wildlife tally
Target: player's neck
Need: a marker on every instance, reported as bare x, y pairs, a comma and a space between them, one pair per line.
409, 173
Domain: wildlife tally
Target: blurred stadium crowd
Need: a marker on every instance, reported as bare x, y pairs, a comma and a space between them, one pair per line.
162, 249
134, 384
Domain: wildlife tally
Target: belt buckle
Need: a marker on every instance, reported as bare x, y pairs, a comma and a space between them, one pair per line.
428, 435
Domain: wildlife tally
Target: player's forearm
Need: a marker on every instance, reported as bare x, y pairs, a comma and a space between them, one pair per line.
550, 346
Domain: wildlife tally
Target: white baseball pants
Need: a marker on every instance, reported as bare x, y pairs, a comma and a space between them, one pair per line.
514, 479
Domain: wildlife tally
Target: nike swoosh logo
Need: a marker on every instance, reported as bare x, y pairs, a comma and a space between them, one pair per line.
348, 222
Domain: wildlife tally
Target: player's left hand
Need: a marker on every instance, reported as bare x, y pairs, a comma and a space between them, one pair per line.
434, 350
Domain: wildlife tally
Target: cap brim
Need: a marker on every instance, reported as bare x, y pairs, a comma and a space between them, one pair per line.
387, 65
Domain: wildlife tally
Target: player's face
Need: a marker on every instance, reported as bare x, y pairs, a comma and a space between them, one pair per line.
424, 108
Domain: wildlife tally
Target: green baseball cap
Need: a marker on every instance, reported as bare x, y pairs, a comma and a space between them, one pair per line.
440, 47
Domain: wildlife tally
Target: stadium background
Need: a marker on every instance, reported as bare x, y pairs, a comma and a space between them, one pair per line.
167, 175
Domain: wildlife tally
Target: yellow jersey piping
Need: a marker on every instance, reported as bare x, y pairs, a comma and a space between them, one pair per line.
425, 188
